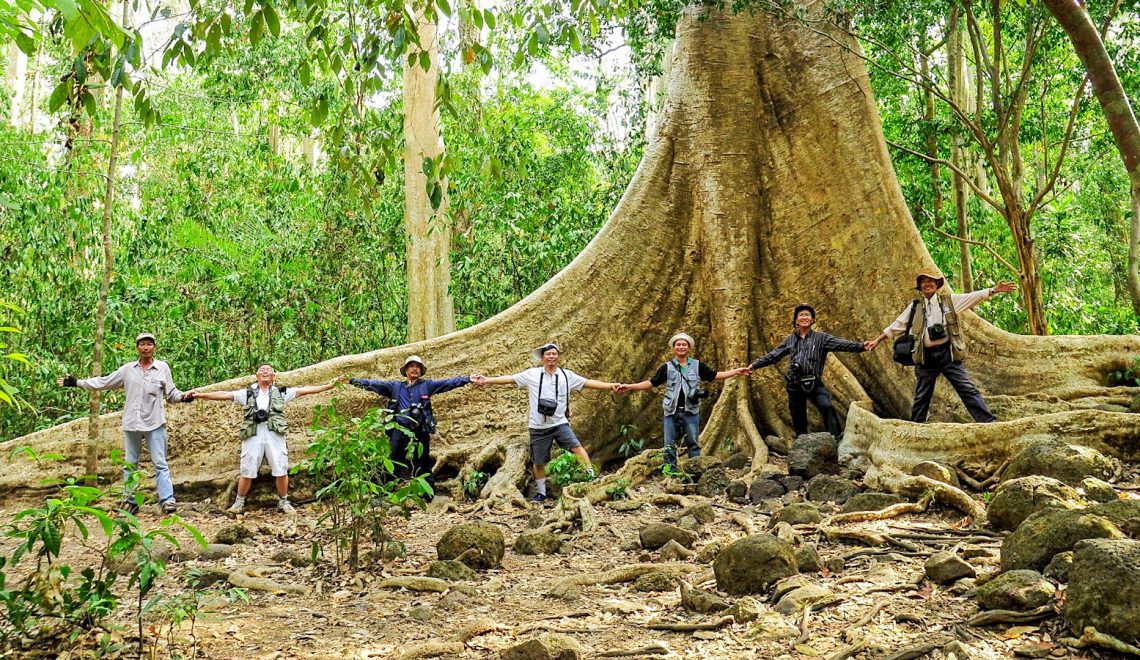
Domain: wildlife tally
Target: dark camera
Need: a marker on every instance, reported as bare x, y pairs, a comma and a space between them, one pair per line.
260, 416
936, 332
547, 407
70, 381
422, 417
700, 395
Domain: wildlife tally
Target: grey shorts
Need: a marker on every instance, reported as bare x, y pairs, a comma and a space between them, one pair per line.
541, 441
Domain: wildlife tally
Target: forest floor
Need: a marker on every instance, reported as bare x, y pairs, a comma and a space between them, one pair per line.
879, 597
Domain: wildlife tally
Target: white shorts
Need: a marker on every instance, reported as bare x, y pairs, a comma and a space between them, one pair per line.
273, 450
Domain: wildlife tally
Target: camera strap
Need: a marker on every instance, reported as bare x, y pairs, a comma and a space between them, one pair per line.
541, 380
910, 319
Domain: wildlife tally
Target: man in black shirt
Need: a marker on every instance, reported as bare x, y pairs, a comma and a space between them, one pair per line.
808, 350
682, 378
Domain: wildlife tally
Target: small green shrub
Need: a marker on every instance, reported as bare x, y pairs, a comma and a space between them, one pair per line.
474, 483
1129, 376
565, 470
632, 443
618, 490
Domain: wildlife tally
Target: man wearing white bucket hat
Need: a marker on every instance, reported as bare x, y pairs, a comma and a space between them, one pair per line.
549, 387
410, 401
682, 378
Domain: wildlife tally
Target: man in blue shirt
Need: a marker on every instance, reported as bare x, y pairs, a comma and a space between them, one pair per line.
410, 401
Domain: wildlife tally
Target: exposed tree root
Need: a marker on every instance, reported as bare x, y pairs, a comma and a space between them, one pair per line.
480, 626
895, 481
866, 618
637, 470
849, 651
866, 537
991, 617
918, 650
893, 511
652, 649
432, 649
732, 425
1091, 637
414, 583
570, 512
745, 523
691, 627
252, 577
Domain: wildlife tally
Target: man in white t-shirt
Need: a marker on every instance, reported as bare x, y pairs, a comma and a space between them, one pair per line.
263, 431
549, 387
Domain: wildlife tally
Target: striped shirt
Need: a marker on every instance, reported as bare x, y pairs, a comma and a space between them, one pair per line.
807, 353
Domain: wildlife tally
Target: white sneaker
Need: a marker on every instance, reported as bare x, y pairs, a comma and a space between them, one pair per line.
285, 506
238, 507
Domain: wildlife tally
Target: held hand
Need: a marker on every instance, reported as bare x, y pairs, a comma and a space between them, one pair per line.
187, 397
67, 381
479, 379
339, 380
1004, 287
870, 345
744, 371
617, 388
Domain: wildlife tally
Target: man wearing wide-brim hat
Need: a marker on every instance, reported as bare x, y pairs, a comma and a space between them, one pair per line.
146, 383
939, 345
682, 376
410, 401
548, 388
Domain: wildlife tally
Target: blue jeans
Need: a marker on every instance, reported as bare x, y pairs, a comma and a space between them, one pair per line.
685, 426
156, 445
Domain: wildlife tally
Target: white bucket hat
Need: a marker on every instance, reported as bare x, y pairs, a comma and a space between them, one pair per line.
681, 335
537, 353
416, 360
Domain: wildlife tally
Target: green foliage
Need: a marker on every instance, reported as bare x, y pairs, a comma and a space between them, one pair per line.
631, 441
618, 490
564, 469
168, 615
351, 463
54, 602
1129, 376
8, 394
474, 483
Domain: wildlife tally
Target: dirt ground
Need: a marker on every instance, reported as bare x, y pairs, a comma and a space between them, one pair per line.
879, 597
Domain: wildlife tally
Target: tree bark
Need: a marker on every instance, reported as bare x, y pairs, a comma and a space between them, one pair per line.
767, 184
960, 190
1118, 113
16, 76
92, 465
931, 135
427, 233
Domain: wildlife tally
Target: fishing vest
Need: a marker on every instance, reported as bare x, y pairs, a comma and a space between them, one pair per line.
276, 422
673, 385
953, 328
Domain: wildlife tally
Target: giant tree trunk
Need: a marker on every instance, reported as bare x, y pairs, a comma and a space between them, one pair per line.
428, 235
767, 184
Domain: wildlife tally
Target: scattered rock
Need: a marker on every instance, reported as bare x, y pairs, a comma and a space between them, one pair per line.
630, 545
673, 551
1045, 533
738, 461
791, 482
797, 514
835, 564
623, 505
945, 567
745, 610
1016, 499
708, 554
701, 601
796, 600
785, 533
689, 523
455, 600
828, 488
812, 454
1120, 512
788, 585
1020, 590
656, 581
1099, 491
233, 534
763, 489
484, 541
1062, 461
935, 471
978, 553
536, 543
450, 570
964, 587
622, 607
714, 482
1059, 565
737, 491
778, 445
773, 471
292, 557
749, 565
535, 520
871, 502
696, 466
656, 535
565, 591
422, 613
1102, 567
547, 646
770, 625
212, 552
808, 559
703, 512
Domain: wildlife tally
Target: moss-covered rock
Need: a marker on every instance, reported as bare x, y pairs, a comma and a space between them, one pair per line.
1016, 499
479, 544
1104, 588
1045, 533
1020, 590
749, 565
1058, 459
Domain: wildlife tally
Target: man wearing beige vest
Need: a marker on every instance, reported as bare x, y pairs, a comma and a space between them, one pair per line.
939, 346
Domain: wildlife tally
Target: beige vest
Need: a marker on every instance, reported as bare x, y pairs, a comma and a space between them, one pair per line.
953, 328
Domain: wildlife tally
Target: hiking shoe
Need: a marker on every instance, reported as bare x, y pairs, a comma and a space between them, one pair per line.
237, 508
169, 506
129, 506
285, 506
539, 498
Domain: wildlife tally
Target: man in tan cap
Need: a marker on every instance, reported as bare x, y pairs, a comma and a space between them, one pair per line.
147, 383
939, 346
682, 378
410, 401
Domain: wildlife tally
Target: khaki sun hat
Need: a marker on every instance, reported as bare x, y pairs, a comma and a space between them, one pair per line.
681, 335
918, 280
413, 359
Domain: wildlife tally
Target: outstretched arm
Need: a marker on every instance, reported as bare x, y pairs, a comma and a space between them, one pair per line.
315, 389
381, 387
739, 371
837, 345
112, 381
195, 395
602, 385
440, 386
773, 356
636, 387
494, 380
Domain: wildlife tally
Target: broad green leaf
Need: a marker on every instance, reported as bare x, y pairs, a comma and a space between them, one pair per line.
271, 20
59, 95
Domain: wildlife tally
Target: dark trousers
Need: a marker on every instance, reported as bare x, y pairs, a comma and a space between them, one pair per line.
937, 360
797, 405
419, 462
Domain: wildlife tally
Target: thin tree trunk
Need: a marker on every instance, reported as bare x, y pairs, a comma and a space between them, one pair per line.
16, 76
1118, 113
960, 191
428, 236
105, 284
931, 134
1029, 278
